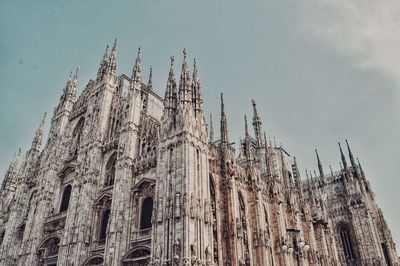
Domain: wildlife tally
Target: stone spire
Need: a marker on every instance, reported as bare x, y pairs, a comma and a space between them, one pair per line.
137, 68
246, 128
170, 98
257, 124
103, 65
113, 59
224, 125
185, 92
37, 140
296, 175
343, 157
197, 98
361, 169
9, 180
321, 170
247, 141
211, 129
352, 161
150, 83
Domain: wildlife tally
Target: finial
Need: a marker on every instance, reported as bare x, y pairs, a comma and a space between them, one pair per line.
172, 60
330, 167
194, 63
115, 44
184, 53
76, 73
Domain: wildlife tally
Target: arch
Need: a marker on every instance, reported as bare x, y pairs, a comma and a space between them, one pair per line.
346, 240
105, 217
145, 214
139, 256
94, 260
49, 247
110, 170
66, 195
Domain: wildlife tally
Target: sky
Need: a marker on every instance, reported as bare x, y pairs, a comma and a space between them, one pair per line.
320, 71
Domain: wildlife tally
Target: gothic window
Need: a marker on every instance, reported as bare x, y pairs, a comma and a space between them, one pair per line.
345, 238
66, 195
138, 257
20, 231
145, 216
77, 135
48, 250
110, 170
103, 225
95, 261
386, 254
214, 220
2, 237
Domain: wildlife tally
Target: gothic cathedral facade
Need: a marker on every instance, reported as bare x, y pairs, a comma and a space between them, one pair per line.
127, 177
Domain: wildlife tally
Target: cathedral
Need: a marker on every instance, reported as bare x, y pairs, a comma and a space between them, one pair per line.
127, 177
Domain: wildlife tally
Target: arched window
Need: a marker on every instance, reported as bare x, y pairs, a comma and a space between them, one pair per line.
65, 198
2, 237
147, 210
386, 254
95, 261
20, 231
103, 225
110, 170
345, 238
77, 135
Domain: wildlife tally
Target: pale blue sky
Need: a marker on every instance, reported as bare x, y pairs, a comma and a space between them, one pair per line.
321, 71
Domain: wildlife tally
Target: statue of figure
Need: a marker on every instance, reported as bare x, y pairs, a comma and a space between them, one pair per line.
160, 210
157, 252
238, 227
192, 206
177, 251
208, 253
193, 252
185, 204
178, 205
206, 212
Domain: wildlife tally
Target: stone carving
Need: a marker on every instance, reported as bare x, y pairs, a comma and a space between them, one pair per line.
178, 205
160, 210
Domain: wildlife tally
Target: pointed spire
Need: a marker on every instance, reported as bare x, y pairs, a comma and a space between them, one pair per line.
185, 91
321, 170
343, 157
246, 127
37, 140
170, 98
352, 161
103, 65
330, 167
113, 59
137, 68
197, 98
211, 129
361, 169
296, 174
257, 124
224, 126
150, 83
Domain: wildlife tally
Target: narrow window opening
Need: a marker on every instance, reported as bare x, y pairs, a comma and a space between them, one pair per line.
147, 210
65, 198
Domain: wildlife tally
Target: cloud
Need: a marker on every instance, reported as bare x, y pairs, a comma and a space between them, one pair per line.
368, 30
